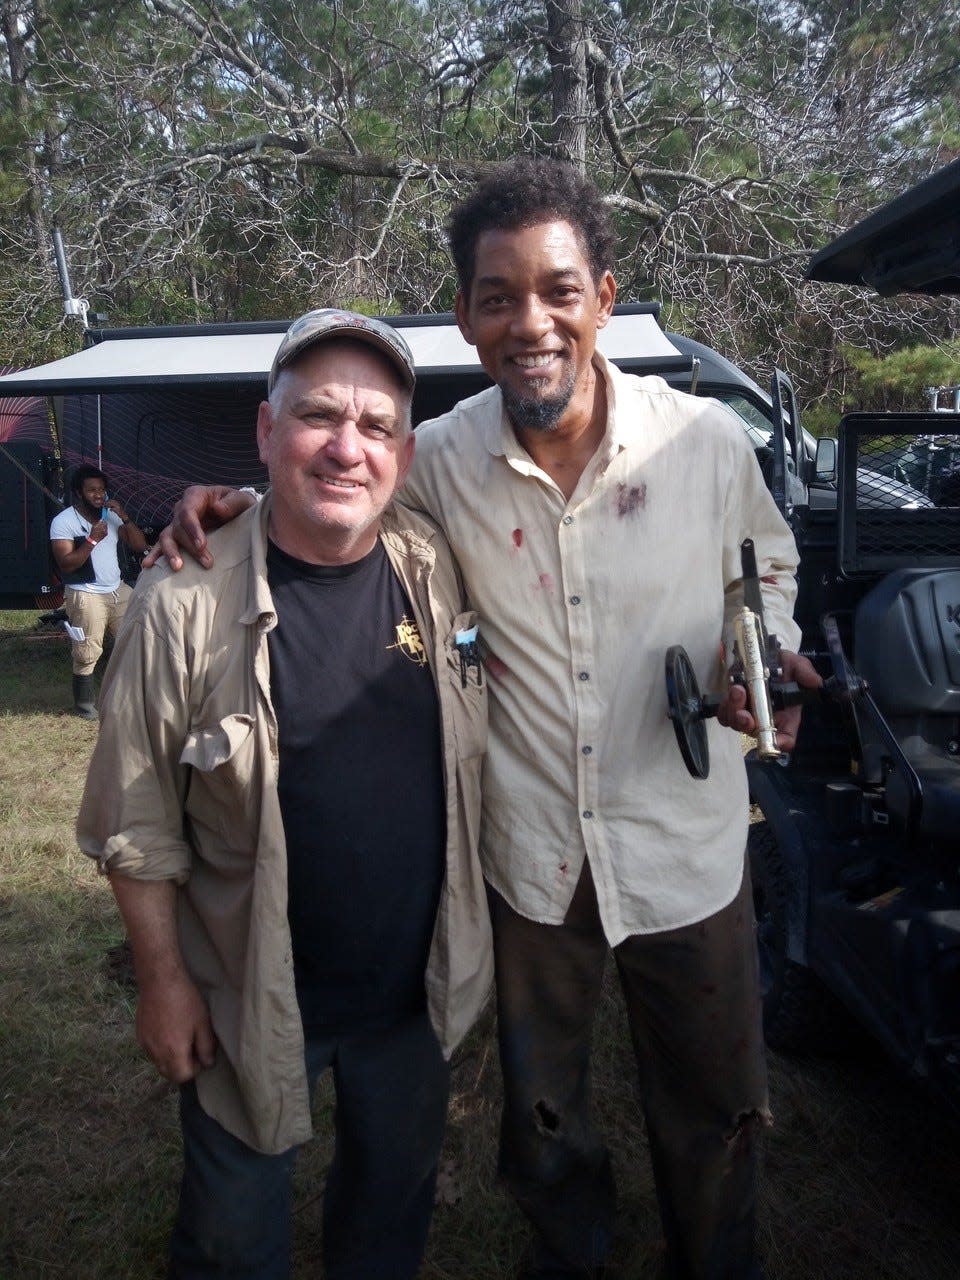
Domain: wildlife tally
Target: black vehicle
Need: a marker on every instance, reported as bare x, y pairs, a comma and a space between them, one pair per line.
856, 863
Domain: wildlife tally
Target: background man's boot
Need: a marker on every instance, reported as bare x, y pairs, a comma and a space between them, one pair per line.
83, 697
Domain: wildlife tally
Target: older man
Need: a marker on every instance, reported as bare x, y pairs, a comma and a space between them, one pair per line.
285, 795
609, 528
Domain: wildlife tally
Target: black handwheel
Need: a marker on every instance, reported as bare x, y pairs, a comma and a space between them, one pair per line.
686, 710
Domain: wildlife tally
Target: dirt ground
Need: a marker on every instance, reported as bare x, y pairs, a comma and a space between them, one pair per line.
861, 1171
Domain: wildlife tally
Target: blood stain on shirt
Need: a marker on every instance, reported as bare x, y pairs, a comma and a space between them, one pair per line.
631, 498
497, 668
518, 538
544, 583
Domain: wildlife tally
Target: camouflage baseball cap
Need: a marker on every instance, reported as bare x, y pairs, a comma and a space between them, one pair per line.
328, 322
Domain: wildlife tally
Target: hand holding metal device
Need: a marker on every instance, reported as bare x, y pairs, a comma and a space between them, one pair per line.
757, 666
757, 662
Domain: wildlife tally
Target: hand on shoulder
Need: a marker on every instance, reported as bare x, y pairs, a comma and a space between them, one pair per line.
202, 509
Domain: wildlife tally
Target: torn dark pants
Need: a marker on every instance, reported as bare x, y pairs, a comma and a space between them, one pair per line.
692, 998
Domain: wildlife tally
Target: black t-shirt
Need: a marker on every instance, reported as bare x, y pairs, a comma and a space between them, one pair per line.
361, 788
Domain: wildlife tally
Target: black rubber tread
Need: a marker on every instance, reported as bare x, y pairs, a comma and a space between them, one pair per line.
800, 1015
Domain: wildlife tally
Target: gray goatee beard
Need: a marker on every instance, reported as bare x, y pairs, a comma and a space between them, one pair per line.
541, 413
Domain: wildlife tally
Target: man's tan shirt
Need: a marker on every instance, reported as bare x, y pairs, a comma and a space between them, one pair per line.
183, 786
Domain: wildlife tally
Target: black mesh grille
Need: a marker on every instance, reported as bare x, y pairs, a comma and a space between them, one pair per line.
899, 491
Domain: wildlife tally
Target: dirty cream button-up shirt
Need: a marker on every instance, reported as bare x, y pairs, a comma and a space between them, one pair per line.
581, 600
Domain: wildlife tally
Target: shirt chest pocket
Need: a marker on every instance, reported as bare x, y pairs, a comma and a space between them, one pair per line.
224, 790
466, 691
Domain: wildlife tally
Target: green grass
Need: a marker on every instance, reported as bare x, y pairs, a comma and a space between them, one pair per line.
861, 1173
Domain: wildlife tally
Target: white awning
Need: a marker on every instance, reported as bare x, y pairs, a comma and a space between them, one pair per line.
126, 363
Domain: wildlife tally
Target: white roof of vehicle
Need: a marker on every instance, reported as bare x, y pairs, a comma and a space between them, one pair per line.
123, 363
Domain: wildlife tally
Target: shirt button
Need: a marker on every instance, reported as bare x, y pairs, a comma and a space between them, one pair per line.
587, 750
574, 599
568, 519
588, 813
584, 675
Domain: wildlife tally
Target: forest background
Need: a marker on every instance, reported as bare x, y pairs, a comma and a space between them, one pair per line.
216, 160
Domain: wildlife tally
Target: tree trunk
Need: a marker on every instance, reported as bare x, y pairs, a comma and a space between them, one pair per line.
567, 54
13, 25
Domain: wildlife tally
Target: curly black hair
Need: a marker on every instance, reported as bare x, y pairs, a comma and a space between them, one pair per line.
83, 473
521, 193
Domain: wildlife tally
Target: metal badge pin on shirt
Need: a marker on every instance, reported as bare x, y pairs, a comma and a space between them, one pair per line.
469, 651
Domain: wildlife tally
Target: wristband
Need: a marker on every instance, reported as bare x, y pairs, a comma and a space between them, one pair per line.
92, 541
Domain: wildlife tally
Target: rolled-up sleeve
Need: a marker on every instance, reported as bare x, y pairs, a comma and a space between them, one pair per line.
131, 815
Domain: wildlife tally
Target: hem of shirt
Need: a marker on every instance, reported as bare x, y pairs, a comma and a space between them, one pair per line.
620, 935
93, 589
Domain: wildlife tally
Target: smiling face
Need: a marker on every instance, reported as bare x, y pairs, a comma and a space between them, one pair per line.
336, 440
533, 313
93, 494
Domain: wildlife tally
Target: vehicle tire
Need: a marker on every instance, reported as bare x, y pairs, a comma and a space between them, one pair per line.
799, 1014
